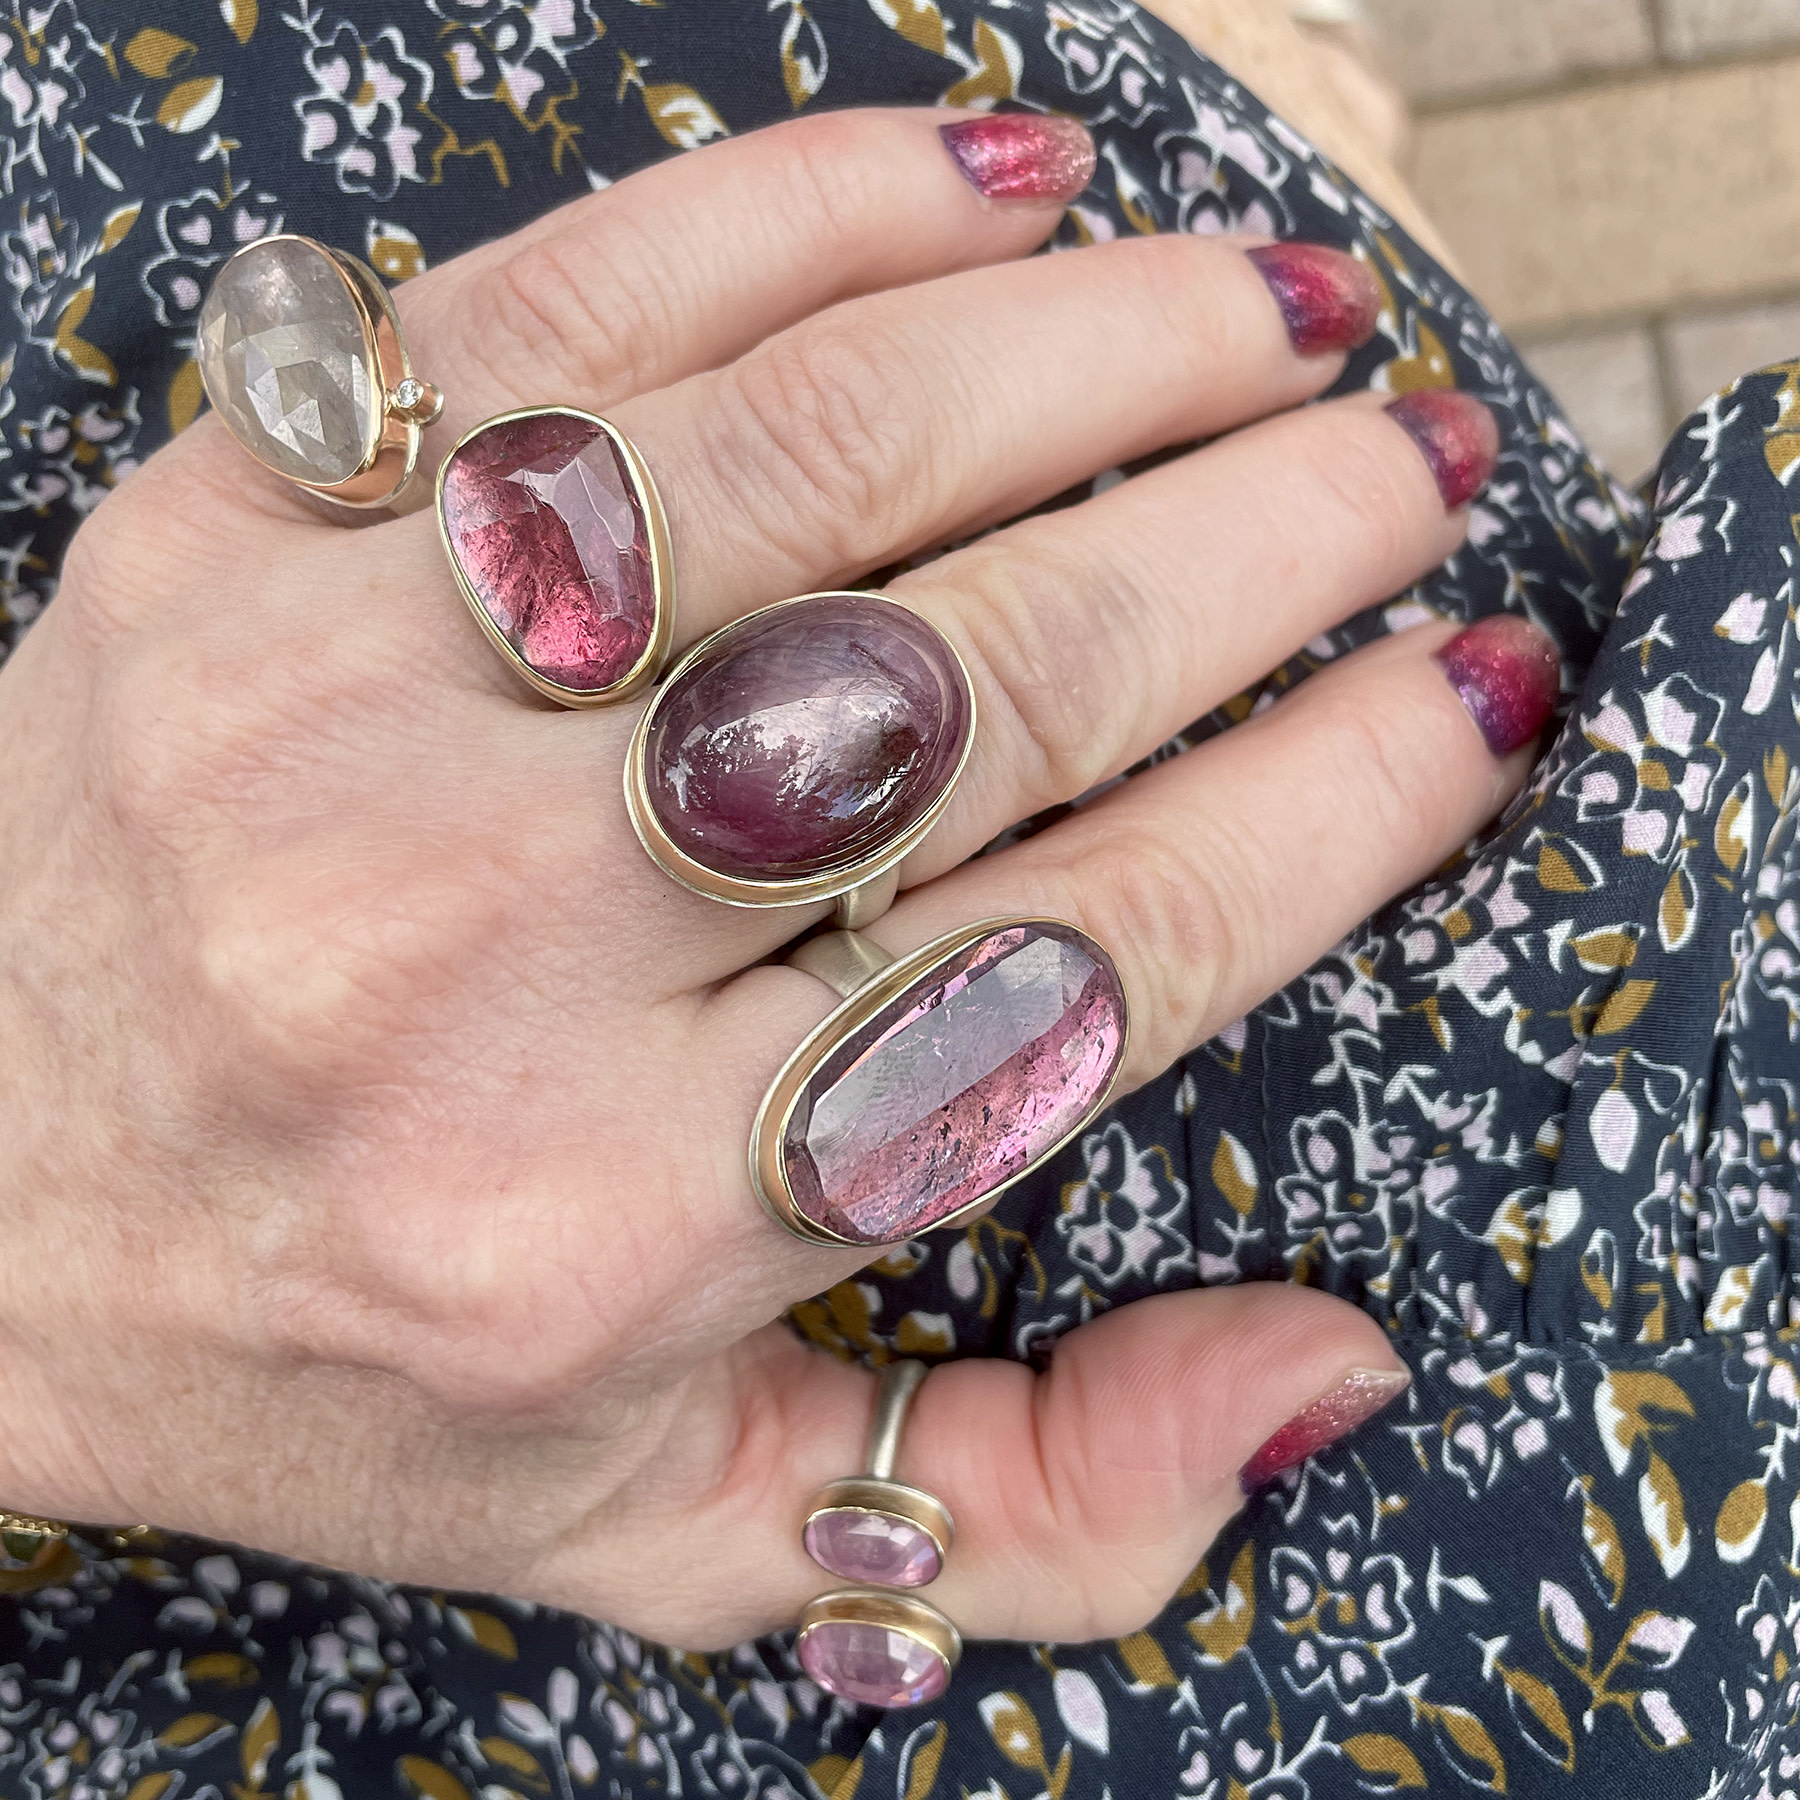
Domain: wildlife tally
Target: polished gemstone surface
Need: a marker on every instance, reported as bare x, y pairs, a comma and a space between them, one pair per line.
871, 1665
807, 738
282, 353
546, 523
880, 1549
957, 1085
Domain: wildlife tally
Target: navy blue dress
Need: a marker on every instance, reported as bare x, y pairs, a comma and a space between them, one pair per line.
1540, 1117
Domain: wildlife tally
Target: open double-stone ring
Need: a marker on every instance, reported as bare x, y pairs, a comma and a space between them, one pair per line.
796, 755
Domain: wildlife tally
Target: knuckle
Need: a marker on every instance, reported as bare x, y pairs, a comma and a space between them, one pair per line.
1356, 466
1033, 622
1178, 920
817, 434
542, 312
1383, 775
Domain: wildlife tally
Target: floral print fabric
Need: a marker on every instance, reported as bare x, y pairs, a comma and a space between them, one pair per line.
1541, 1117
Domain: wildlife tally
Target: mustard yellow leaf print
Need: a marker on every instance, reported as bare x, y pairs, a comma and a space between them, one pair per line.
1224, 1630
1234, 1175
1468, 1744
1375, 1753
158, 54
118, 225
492, 1634
424, 1779
1665, 1515
995, 75
185, 395
918, 21
240, 16
517, 1761
1145, 1661
88, 360
1540, 1716
1739, 1527
191, 104
151, 1787
1601, 1535
837, 1777
924, 1759
1621, 1008
191, 1729
803, 57
261, 1739
683, 117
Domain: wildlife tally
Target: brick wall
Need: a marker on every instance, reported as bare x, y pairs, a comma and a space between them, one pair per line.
1620, 180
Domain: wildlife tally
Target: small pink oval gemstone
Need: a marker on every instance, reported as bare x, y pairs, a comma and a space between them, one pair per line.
879, 1549
547, 525
807, 739
959, 1084
871, 1665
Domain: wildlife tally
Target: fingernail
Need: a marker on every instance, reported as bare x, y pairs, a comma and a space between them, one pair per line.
1456, 434
1508, 674
1358, 1397
1022, 156
1329, 300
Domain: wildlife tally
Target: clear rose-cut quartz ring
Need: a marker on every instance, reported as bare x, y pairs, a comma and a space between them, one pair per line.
302, 356
868, 1644
558, 540
801, 752
940, 1080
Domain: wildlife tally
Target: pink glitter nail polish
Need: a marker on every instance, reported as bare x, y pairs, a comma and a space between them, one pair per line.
1457, 436
1329, 300
1022, 156
1358, 1397
1508, 674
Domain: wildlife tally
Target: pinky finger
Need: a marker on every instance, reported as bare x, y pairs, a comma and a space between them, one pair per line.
1217, 877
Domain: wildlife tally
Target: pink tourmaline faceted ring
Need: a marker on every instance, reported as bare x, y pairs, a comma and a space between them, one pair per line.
301, 353
870, 1528
560, 546
801, 752
940, 1080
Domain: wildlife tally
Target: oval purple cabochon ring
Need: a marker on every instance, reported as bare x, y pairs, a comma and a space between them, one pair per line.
801, 751
947, 1077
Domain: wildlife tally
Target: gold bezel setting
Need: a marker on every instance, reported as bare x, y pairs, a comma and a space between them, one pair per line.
887, 1610
800, 890
768, 1133
662, 567
893, 1499
406, 404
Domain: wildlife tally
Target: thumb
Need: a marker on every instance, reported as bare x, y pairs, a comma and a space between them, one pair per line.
1085, 1496
1082, 1497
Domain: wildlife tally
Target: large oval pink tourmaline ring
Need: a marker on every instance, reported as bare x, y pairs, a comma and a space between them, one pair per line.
801, 752
301, 354
560, 547
940, 1080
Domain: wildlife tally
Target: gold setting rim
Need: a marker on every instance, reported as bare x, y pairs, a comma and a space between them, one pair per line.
770, 1127
876, 1494
891, 1611
391, 448
662, 567
795, 890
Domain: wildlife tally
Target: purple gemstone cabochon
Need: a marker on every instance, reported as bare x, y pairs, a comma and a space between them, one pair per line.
871, 1665
875, 1548
546, 523
982, 1064
805, 739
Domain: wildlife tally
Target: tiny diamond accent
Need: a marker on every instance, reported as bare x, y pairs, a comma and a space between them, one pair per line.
410, 393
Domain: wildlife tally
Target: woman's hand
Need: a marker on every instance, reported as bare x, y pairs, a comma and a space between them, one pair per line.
373, 1172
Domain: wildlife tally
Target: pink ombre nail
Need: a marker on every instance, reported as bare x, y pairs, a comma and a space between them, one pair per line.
1022, 156
1329, 300
1508, 674
1457, 435
1357, 1398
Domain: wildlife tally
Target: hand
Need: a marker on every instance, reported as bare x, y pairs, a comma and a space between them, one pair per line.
373, 1178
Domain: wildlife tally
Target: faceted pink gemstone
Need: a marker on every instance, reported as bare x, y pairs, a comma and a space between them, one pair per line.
957, 1085
871, 1665
879, 1549
807, 739
547, 525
